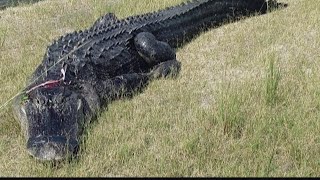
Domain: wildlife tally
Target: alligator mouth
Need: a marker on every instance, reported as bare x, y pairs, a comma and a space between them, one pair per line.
51, 148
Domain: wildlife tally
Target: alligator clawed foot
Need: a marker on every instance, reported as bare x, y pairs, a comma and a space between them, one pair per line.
167, 69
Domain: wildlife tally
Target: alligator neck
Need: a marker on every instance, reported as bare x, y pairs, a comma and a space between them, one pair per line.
178, 25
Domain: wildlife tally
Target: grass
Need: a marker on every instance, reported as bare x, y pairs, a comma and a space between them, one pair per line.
246, 103
272, 81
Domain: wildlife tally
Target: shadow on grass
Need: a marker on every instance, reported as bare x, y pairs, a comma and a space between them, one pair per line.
12, 3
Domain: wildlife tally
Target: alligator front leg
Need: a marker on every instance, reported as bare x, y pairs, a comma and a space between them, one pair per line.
128, 84
122, 86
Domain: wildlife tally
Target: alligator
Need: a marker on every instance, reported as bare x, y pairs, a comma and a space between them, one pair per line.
83, 71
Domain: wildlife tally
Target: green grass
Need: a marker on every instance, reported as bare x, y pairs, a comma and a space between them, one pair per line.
246, 103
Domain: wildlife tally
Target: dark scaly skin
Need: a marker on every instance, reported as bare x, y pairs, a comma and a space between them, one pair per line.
83, 71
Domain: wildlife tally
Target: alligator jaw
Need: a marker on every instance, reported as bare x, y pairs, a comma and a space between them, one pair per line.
51, 148
51, 127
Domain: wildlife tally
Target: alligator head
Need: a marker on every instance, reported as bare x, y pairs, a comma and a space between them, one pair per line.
52, 119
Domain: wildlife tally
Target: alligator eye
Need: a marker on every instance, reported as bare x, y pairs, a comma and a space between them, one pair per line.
38, 101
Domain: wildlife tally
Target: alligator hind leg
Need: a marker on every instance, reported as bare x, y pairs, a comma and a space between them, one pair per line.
158, 54
152, 50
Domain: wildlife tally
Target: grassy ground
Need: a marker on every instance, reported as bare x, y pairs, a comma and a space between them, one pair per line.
247, 101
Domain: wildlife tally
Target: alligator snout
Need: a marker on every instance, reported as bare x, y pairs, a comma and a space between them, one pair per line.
52, 120
51, 147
